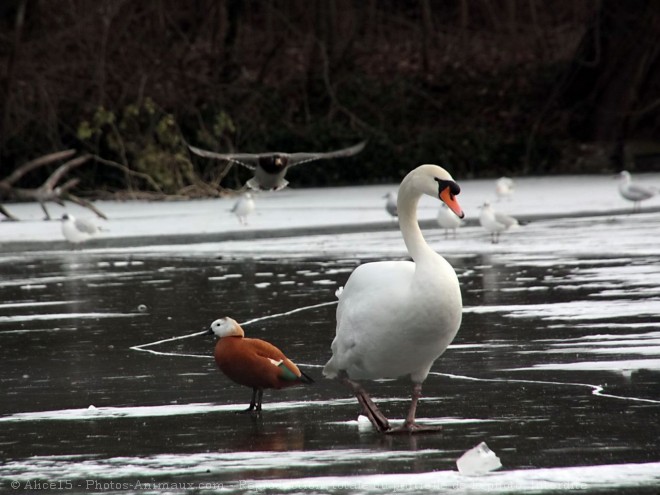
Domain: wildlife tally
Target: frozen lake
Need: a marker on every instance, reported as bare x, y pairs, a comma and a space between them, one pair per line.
556, 365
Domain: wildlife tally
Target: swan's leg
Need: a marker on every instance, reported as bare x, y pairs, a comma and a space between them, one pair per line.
370, 409
410, 426
412, 412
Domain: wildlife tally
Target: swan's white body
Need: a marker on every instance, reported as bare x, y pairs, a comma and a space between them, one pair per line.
495, 222
243, 207
396, 318
633, 191
77, 230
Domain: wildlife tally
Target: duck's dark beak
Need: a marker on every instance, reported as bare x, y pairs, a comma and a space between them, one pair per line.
209, 331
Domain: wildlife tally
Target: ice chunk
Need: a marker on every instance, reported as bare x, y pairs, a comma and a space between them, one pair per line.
478, 460
363, 423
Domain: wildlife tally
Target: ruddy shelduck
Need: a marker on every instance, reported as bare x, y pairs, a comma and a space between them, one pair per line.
253, 363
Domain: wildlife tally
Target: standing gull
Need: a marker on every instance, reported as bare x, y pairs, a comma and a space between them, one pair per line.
504, 187
390, 204
634, 192
243, 207
77, 230
253, 363
448, 220
395, 318
495, 222
271, 167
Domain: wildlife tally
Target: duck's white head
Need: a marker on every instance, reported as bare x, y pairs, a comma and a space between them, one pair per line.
226, 327
435, 181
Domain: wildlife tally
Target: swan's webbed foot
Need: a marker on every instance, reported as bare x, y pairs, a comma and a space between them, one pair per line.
413, 429
369, 408
372, 412
410, 426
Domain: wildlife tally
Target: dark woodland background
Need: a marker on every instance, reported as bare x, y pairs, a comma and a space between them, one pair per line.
483, 87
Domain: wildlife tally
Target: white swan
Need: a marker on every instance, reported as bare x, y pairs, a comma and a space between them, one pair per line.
395, 318
634, 192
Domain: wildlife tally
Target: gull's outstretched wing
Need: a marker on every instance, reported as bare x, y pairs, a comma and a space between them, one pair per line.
299, 158
247, 160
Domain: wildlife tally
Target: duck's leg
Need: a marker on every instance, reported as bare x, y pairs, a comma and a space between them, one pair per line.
260, 398
410, 426
370, 409
253, 402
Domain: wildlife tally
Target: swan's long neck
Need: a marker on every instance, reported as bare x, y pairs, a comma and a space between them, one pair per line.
407, 201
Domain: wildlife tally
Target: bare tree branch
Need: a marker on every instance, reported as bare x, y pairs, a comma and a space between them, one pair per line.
36, 163
62, 170
48, 191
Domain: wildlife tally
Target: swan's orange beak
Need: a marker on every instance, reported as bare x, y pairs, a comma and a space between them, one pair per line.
449, 199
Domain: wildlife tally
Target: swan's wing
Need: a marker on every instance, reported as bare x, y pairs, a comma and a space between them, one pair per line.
367, 304
248, 160
299, 158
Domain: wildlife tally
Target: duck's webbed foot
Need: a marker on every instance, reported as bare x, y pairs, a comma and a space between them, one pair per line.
255, 403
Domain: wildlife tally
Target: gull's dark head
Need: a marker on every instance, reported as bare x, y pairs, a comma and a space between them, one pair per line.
273, 164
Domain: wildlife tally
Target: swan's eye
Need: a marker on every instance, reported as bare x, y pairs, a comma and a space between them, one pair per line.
454, 188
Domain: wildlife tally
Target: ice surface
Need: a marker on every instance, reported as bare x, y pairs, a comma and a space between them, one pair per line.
478, 460
616, 296
347, 206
